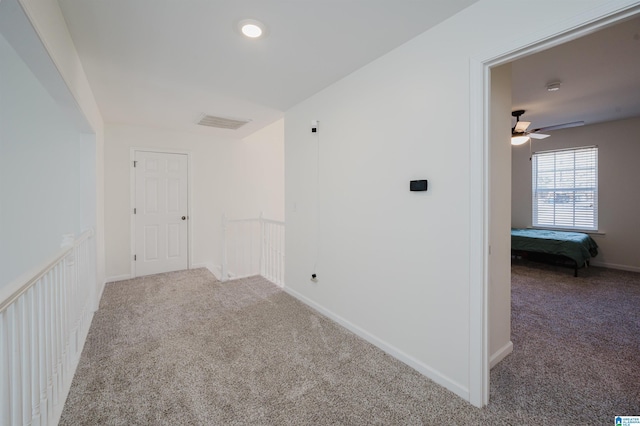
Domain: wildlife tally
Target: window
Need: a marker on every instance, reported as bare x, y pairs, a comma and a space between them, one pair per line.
565, 188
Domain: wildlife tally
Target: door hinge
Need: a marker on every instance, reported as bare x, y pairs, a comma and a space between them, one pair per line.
135, 257
135, 163
134, 210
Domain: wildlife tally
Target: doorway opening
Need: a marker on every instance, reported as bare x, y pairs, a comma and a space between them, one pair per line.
482, 199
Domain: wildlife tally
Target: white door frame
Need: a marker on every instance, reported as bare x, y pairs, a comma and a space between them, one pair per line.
132, 202
480, 92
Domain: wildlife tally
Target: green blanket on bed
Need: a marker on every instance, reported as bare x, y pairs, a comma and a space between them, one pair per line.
574, 245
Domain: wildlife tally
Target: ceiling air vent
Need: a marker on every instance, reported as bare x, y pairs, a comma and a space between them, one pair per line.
221, 122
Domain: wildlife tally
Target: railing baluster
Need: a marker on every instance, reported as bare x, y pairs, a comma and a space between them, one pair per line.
275, 272
55, 310
15, 356
42, 348
249, 246
49, 343
35, 350
39, 341
278, 258
5, 377
261, 245
64, 323
246, 238
267, 255
54, 336
243, 248
271, 257
25, 335
276, 250
224, 267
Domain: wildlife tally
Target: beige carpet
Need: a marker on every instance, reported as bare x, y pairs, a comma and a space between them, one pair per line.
184, 349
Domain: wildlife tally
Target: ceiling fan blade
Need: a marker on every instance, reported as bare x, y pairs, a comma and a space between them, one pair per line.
560, 126
537, 136
521, 126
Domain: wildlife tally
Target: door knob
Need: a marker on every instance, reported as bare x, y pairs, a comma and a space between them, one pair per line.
184, 217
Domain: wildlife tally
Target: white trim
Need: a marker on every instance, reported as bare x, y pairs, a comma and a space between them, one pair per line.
115, 278
478, 238
16, 288
479, 72
214, 269
614, 266
99, 295
132, 219
54, 289
500, 354
19, 286
132, 202
239, 277
425, 370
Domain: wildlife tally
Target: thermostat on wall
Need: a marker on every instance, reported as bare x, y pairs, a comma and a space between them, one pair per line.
418, 185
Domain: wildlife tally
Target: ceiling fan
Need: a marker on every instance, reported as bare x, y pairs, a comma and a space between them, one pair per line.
520, 135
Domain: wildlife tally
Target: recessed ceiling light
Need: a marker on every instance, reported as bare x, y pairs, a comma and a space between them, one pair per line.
251, 28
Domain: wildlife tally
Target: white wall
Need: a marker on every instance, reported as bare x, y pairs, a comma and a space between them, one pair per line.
50, 170
236, 177
393, 265
69, 86
255, 170
500, 215
618, 181
39, 170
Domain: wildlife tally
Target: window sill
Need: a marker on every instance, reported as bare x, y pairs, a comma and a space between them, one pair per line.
590, 232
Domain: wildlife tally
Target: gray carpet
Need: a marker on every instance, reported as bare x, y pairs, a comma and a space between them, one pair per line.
184, 349
576, 345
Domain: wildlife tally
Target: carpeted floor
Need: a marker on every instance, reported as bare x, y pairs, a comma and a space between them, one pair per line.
184, 349
576, 346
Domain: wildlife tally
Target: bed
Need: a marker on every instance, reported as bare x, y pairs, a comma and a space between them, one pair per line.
540, 244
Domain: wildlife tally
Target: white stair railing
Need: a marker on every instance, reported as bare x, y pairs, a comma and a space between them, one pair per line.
253, 247
272, 251
43, 326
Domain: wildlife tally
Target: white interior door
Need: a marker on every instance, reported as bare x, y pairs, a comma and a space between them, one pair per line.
160, 212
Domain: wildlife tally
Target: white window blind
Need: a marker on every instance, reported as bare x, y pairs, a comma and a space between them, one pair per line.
565, 188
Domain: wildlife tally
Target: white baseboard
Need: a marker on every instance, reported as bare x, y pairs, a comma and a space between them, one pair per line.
99, 296
118, 278
615, 266
500, 354
422, 368
214, 269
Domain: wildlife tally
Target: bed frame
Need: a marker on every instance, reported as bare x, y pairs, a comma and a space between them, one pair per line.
573, 249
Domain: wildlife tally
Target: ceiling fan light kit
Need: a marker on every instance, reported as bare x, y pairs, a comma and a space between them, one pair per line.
519, 133
519, 140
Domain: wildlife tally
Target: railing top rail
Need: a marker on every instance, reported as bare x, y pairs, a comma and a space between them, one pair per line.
277, 222
243, 220
84, 236
255, 219
21, 285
